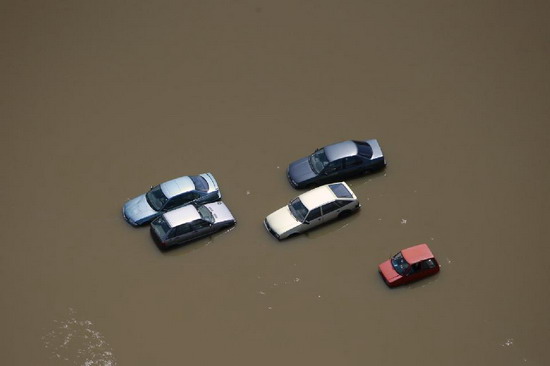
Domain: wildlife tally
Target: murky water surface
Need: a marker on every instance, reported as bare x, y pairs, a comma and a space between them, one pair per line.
100, 100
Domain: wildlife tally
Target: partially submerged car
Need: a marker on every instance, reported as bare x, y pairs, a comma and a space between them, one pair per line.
189, 223
336, 162
311, 209
409, 265
197, 189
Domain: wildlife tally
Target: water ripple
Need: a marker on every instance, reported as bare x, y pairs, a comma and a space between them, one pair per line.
75, 342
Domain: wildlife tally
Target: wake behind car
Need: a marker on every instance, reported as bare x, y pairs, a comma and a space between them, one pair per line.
189, 223
311, 209
336, 162
197, 189
409, 265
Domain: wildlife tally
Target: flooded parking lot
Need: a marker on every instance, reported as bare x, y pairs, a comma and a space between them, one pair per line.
101, 100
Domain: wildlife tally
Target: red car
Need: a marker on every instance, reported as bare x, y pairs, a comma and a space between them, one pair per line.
409, 265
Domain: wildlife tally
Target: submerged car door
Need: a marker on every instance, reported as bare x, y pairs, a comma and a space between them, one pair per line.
429, 267
314, 218
330, 211
182, 234
353, 165
332, 171
202, 228
414, 273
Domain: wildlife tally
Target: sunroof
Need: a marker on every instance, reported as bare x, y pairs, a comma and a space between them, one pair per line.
340, 190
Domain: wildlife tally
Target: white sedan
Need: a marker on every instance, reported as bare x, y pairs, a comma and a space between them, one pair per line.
311, 209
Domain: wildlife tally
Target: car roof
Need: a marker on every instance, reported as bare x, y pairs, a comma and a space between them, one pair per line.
341, 150
182, 215
177, 186
417, 253
317, 197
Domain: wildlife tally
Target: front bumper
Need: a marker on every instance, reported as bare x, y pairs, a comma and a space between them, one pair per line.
128, 220
270, 230
290, 180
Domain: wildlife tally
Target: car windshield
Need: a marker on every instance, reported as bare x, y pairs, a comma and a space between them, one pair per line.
400, 265
156, 198
161, 227
206, 214
200, 183
299, 211
318, 161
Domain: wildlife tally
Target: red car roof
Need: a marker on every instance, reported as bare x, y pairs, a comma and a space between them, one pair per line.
417, 253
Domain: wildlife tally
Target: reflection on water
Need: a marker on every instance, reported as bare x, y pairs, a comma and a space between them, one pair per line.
75, 342
273, 289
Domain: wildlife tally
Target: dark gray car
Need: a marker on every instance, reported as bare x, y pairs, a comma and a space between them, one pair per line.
336, 162
189, 223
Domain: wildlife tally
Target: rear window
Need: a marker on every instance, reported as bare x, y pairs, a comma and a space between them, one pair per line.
340, 190
364, 149
200, 183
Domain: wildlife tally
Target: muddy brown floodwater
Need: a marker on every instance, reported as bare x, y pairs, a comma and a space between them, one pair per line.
101, 99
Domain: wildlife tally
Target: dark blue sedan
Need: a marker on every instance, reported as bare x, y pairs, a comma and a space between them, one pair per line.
336, 162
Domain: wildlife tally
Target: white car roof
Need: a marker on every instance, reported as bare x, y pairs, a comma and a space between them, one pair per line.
177, 186
317, 197
182, 215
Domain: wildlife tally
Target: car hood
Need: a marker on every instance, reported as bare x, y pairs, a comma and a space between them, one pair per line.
137, 211
282, 221
300, 170
388, 272
220, 212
